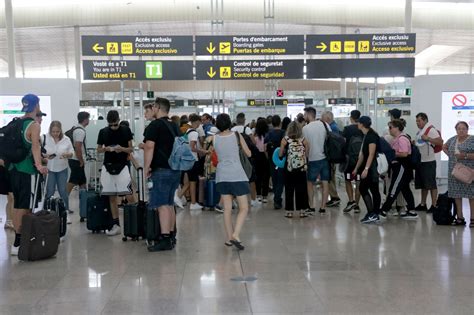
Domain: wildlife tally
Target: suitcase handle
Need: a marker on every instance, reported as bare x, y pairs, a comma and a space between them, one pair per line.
140, 185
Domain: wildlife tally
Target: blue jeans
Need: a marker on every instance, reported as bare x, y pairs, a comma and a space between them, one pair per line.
59, 180
165, 183
278, 181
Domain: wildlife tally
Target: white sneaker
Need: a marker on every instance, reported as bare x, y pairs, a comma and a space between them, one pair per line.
8, 225
219, 208
195, 206
178, 202
68, 220
62, 239
115, 230
255, 203
14, 250
184, 200
264, 200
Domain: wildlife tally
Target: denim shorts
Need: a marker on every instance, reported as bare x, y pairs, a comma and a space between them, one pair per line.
165, 182
319, 169
233, 188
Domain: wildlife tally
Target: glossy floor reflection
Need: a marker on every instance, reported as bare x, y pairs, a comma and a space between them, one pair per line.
320, 265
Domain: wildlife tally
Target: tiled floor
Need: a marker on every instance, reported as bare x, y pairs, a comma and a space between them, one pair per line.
325, 264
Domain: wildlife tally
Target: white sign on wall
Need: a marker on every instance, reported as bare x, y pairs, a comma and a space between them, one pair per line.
456, 106
10, 107
293, 110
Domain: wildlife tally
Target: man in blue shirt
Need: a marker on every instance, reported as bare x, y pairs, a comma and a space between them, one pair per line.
206, 120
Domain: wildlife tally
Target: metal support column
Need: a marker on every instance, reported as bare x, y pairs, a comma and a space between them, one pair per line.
77, 57
142, 113
10, 39
408, 15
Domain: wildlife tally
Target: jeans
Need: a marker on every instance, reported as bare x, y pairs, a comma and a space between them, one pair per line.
278, 180
58, 180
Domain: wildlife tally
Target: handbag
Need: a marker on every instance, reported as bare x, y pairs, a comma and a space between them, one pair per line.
246, 164
382, 164
463, 173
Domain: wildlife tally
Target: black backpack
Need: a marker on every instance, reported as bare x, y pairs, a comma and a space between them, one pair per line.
252, 147
12, 148
415, 157
443, 213
353, 149
70, 135
334, 146
272, 146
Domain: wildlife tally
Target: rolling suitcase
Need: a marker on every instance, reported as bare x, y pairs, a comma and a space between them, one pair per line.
57, 206
40, 233
134, 214
201, 190
152, 226
212, 196
99, 217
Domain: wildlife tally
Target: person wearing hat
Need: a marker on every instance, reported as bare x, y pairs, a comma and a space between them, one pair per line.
23, 174
366, 167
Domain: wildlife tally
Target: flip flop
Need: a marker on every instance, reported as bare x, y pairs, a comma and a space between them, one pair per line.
228, 244
237, 244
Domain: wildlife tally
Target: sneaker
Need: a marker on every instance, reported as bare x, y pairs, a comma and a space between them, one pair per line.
219, 208
289, 214
259, 198
264, 200
310, 211
115, 230
431, 209
277, 206
184, 201
383, 215
14, 250
350, 206
163, 244
333, 203
409, 215
255, 203
322, 211
68, 220
62, 239
178, 202
421, 207
394, 213
82, 220
195, 206
356, 209
370, 218
8, 225
303, 214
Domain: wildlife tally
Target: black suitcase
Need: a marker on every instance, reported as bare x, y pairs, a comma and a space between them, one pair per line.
99, 216
153, 227
134, 214
445, 211
56, 205
40, 237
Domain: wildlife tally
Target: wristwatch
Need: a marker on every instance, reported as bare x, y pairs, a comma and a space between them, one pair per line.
366, 168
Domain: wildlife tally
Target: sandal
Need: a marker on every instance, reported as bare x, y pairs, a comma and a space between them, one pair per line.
471, 223
237, 244
459, 222
303, 215
229, 244
289, 215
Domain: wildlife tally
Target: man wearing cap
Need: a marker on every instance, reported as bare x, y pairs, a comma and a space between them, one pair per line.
23, 174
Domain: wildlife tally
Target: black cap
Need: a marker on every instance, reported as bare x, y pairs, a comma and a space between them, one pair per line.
395, 113
41, 114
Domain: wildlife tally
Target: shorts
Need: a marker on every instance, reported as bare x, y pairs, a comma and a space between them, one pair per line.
23, 187
5, 186
425, 176
319, 169
165, 182
116, 185
78, 175
348, 174
193, 174
233, 188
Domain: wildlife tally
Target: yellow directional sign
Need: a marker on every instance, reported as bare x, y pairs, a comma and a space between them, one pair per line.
225, 72
97, 48
335, 46
127, 48
211, 48
211, 73
224, 48
322, 47
112, 48
364, 46
349, 46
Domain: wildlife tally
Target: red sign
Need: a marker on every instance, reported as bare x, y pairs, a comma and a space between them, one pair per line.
280, 93
459, 100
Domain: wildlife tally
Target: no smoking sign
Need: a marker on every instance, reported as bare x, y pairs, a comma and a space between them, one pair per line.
459, 100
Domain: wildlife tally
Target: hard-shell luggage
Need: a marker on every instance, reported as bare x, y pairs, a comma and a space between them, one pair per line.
40, 233
201, 190
153, 228
134, 214
83, 195
99, 216
445, 210
56, 205
212, 196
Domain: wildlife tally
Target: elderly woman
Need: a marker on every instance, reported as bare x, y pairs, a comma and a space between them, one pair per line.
460, 149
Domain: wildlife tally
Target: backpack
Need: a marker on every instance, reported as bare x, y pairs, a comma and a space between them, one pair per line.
295, 155
12, 148
415, 157
252, 147
70, 135
272, 146
353, 149
385, 148
181, 158
334, 146
436, 148
443, 212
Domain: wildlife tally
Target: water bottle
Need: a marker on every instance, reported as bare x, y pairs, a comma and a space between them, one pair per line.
149, 183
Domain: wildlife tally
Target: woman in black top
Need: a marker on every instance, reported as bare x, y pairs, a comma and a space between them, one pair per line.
367, 169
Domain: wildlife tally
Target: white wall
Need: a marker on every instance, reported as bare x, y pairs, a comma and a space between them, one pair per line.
427, 98
64, 95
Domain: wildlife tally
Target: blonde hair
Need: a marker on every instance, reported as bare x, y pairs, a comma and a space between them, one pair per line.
56, 123
294, 130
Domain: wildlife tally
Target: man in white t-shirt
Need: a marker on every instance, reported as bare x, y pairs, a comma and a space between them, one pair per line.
77, 162
425, 175
318, 166
241, 128
193, 174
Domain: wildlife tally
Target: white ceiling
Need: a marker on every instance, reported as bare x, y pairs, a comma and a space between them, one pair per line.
44, 31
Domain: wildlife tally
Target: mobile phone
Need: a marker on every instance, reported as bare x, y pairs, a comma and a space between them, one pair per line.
52, 156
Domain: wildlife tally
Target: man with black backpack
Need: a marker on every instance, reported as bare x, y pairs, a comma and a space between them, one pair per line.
21, 148
273, 141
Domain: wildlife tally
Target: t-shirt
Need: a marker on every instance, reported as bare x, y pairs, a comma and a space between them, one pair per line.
401, 144
79, 135
109, 138
273, 140
240, 129
426, 148
370, 137
334, 127
193, 135
351, 131
315, 134
159, 133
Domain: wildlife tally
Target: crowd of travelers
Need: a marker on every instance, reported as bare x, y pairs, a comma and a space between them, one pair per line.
245, 163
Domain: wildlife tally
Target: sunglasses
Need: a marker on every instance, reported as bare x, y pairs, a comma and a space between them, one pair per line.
114, 125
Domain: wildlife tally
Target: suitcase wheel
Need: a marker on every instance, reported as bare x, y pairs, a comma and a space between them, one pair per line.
124, 238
